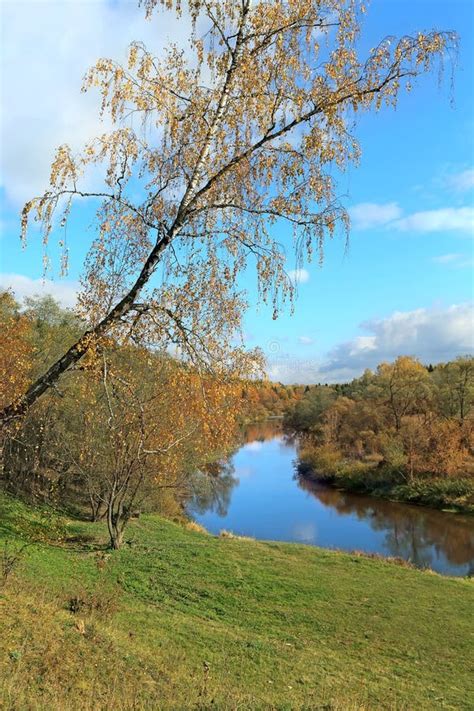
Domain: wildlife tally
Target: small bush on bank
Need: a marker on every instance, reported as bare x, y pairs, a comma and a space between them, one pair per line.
440, 492
194, 526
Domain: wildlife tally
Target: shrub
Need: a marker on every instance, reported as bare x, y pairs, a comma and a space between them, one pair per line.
104, 601
324, 460
194, 526
439, 492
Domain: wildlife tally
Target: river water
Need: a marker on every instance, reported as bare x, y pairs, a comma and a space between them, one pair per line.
260, 496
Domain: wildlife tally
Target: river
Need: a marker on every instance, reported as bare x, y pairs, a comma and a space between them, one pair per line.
259, 495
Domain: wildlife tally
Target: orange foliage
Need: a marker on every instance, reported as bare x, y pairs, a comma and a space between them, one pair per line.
15, 351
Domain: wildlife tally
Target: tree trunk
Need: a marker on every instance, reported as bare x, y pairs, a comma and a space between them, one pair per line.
77, 350
117, 519
115, 527
96, 513
116, 539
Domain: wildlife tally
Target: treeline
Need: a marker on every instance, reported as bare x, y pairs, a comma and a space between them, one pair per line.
261, 399
404, 431
127, 430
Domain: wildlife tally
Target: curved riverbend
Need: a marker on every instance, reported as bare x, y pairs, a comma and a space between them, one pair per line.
261, 497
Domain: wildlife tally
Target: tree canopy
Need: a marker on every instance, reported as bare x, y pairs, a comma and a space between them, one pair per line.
209, 149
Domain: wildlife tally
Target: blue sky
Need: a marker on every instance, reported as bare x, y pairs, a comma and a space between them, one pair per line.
405, 283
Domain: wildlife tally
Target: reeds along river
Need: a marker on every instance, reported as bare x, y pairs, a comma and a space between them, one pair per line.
257, 494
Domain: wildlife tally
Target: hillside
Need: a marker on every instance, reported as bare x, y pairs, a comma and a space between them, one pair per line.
179, 619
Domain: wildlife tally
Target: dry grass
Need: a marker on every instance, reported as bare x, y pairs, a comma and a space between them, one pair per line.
234, 536
194, 526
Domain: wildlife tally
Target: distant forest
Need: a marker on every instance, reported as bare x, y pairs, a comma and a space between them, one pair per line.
405, 430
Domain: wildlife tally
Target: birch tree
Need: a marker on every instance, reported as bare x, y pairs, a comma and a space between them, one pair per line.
209, 150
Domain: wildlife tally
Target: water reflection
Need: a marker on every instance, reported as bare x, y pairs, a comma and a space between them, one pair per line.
263, 431
255, 493
411, 533
212, 488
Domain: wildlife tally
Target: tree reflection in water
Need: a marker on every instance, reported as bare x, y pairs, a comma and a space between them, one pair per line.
254, 493
411, 532
262, 431
211, 488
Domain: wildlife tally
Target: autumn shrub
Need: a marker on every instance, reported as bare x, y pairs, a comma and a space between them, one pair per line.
234, 536
194, 526
446, 453
102, 600
325, 460
440, 492
393, 451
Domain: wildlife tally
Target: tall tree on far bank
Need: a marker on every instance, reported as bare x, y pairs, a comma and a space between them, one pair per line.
404, 387
242, 133
455, 381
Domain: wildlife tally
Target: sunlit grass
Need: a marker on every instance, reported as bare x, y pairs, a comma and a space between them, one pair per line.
179, 619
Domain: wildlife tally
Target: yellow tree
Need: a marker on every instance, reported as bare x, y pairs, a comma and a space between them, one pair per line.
434, 446
455, 387
240, 133
142, 423
15, 350
404, 387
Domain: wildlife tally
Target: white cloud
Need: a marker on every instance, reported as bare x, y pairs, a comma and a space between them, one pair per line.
433, 335
362, 344
293, 370
47, 48
449, 218
463, 181
244, 472
299, 276
305, 340
63, 291
367, 215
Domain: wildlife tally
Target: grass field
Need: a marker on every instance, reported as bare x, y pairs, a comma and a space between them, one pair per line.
179, 619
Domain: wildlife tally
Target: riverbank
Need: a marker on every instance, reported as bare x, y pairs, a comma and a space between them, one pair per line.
454, 494
182, 619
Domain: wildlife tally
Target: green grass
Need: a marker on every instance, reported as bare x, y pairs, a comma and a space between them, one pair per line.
182, 620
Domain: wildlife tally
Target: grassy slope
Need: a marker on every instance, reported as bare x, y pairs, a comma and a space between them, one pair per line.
280, 626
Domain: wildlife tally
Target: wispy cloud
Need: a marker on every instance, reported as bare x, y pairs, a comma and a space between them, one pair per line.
447, 258
431, 334
293, 370
22, 286
463, 181
305, 340
459, 219
47, 48
367, 215
454, 259
253, 447
299, 276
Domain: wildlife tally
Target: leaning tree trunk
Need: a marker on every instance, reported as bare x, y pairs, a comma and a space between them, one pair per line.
77, 350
